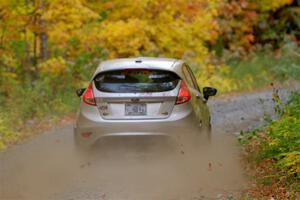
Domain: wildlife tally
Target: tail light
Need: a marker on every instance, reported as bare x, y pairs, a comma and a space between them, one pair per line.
88, 96
184, 94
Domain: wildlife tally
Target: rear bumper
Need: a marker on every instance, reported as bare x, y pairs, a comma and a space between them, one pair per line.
97, 130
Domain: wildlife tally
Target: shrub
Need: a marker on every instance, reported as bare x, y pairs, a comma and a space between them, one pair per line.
283, 141
275, 154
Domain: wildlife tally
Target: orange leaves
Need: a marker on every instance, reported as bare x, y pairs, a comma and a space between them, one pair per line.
237, 20
245, 22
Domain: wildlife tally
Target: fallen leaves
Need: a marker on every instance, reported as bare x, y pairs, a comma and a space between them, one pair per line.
268, 180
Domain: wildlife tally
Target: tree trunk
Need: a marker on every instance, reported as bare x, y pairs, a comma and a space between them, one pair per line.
35, 49
44, 54
44, 47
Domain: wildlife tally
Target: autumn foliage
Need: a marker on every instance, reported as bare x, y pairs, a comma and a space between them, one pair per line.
50, 47
80, 31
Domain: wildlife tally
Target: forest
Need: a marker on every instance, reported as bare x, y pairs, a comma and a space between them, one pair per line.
49, 48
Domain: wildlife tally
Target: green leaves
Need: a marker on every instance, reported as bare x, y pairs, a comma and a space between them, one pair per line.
271, 5
275, 153
290, 162
6, 134
283, 142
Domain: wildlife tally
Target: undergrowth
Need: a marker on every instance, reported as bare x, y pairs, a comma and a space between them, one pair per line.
275, 153
264, 66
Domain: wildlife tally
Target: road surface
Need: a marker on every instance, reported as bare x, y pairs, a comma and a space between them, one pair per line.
48, 166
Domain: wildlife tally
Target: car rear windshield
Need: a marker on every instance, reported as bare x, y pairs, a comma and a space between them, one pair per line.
136, 81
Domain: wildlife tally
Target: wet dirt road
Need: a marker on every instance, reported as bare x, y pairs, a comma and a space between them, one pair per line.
49, 167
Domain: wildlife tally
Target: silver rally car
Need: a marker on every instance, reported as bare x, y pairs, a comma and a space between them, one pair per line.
142, 97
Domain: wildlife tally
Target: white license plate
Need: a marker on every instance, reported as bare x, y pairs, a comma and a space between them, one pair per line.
135, 109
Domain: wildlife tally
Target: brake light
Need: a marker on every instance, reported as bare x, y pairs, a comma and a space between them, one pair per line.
184, 94
88, 96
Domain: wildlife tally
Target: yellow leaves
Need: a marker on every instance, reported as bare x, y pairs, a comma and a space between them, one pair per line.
180, 39
171, 28
123, 10
209, 75
124, 39
9, 60
6, 135
274, 142
267, 5
54, 66
66, 17
58, 106
69, 11
23, 9
291, 161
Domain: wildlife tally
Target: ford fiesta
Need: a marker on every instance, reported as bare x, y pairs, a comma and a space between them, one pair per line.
142, 97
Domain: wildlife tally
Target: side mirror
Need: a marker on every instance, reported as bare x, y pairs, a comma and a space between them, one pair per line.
80, 92
208, 92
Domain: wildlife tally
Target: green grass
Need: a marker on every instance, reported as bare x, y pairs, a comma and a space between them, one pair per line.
35, 102
283, 143
257, 69
25, 98
262, 67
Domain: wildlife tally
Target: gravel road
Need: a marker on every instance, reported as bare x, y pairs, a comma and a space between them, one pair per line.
48, 167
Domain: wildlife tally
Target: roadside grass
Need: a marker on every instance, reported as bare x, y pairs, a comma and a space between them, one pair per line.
31, 106
235, 73
274, 154
264, 66
34, 104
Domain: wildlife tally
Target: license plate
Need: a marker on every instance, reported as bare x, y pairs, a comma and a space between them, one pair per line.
135, 109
